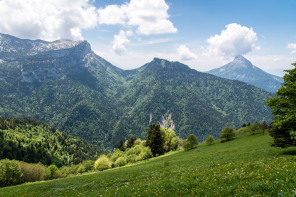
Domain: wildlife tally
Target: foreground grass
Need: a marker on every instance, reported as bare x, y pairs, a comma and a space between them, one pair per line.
246, 166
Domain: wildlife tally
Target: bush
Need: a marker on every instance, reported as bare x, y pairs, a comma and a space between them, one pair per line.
254, 128
227, 134
32, 172
131, 158
116, 155
121, 161
81, 169
187, 145
210, 140
137, 149
138, 142
88, 165
10, 172
190, 142
146, 153
52, 172
175, 143
103, 163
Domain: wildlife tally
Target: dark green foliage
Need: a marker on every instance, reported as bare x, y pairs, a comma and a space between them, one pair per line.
33, 141
10, 172
120, 145
283, 107
190, 142
154, 140
130, 142
90, 98
254, 128
227, 134
210, 140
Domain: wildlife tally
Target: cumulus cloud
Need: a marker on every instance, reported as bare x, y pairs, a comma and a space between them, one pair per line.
149, 16
120, 40
293, 47
48, 20
185, 53
234, 40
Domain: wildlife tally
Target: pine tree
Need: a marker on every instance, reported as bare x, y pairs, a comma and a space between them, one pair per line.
154, 140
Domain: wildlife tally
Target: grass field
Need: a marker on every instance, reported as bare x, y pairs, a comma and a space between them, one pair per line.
246, 166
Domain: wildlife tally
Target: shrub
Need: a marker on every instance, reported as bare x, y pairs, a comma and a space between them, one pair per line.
10, 172
88, 165
254, 128
227, 134
32, 172
131, 158
52, 172
81, 169
138, 142
103, 163
210, 140
137, 149
192, 139
186, 145
121, 161
146, 153
116, 155
175, 143
190, 142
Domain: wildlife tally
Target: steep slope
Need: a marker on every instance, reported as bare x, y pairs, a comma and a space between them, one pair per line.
198, 103
62, 83
34, 141
65, 84
243, 70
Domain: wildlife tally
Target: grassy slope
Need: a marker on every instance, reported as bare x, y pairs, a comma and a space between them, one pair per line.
246, 166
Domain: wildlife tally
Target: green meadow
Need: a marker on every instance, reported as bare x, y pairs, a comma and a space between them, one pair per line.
245, 166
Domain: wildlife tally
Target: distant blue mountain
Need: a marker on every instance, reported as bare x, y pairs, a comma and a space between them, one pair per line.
243, 70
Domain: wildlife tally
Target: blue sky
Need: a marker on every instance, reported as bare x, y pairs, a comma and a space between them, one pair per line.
129, 33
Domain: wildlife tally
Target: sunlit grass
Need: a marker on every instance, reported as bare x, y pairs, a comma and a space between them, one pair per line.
246, 166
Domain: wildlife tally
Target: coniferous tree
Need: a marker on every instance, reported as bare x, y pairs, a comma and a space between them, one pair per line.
130, 142
154, 140
120, 145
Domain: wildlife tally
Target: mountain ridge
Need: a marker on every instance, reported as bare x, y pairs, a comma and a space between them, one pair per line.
89, 97
243, 70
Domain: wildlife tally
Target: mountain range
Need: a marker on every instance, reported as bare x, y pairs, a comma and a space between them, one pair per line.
67, 85
243, 70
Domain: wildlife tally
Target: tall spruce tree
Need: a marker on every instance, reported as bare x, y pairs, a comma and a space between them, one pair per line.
283, 107
154, 140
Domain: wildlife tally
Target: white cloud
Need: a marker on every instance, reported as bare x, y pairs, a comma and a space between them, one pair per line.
119, 41
149, 16
185, 53
48, 20
234, 40
293, 47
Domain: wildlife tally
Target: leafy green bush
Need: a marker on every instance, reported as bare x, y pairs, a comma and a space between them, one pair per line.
88, 165
131, 158
175, 143
227, 134
137, 149
32, 172
52, 172
103, 163
81, 169
10, 172
210, 140
254, 128
190, 142
121, 161
146, 153
118, 153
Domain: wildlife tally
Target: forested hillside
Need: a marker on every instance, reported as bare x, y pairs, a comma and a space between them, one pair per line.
33, 141
68, 86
